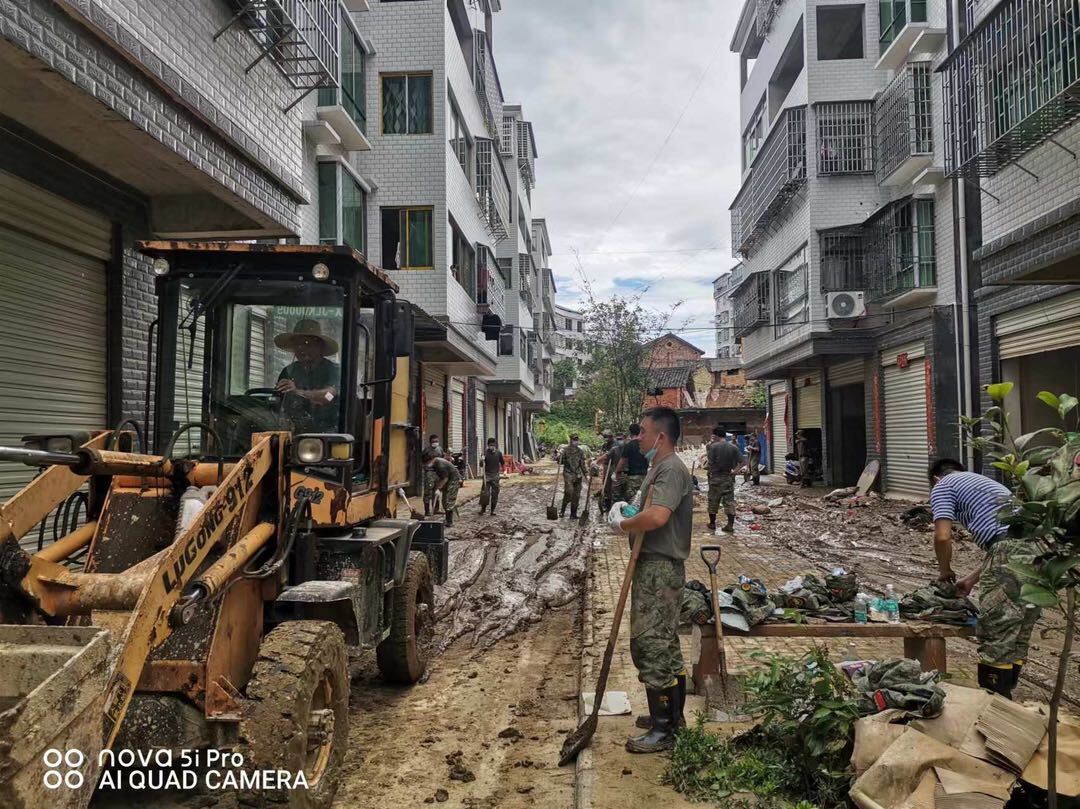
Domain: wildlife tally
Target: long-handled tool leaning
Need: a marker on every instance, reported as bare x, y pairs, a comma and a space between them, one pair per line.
552, 512
726, 707
580, 738
583, 520
413, 513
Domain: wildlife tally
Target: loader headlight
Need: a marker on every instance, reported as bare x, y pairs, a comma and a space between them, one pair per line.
327, 449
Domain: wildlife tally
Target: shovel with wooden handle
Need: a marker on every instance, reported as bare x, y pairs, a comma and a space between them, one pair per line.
580, 738
712, 562
583, 520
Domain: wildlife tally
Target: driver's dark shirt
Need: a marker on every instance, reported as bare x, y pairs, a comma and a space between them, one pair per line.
323, 374
323, 415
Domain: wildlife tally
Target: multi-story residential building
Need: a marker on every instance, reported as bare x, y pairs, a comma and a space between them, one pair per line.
448, 182
844, 222
727, 347
541, 356
122, 120
569, 331
1011, 84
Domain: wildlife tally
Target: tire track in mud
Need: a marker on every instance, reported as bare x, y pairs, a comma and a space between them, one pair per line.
507, 570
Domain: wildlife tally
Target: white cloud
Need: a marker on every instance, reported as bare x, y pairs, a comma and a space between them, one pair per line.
603, 82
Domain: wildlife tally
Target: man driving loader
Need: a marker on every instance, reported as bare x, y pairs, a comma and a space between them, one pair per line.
310, 383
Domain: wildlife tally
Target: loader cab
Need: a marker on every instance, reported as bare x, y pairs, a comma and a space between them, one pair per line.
260, 338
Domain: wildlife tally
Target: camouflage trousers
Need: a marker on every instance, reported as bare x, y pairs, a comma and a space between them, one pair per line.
429, 489
655, 600
722, 491
571, 492
627, 487
1005, 622
492, 483
449, 495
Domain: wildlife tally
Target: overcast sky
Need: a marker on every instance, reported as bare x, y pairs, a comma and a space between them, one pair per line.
603, 82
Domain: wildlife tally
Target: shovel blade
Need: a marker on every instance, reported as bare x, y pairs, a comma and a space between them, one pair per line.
578, 740
552, 513
583, 520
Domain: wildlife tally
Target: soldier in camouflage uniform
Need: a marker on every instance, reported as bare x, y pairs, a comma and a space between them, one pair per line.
723, 458
448, 481
492, 468
573, 469
632, 467
609, 454
1005, 622
656, 590
430, 453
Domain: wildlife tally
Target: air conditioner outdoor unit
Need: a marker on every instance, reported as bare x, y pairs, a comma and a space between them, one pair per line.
845, 304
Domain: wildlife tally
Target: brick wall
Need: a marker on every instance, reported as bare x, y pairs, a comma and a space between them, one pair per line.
671, 353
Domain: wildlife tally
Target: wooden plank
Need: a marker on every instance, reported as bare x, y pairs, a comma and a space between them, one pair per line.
852, 630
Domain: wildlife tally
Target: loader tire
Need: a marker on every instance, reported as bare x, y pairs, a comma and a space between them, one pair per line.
402, 657
297, 713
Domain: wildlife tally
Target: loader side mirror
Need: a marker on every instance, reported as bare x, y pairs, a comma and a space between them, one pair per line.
404, 327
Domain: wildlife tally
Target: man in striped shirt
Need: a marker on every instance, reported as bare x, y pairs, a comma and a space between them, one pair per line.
1005, 622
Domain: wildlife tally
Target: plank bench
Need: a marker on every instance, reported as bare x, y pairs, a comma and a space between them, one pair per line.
923, 641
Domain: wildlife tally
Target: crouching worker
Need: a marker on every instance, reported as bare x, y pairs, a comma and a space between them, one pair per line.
447, 481
659, 577
1005, 621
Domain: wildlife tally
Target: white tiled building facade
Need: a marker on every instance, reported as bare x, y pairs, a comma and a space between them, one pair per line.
866, 258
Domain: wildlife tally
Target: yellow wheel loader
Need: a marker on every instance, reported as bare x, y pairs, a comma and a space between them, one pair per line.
235, 545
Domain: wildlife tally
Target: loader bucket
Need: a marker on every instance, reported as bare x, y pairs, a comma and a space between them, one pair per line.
52, 692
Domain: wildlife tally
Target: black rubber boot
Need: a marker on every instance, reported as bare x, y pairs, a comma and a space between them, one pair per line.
562, 511
573, 511
661, 735
644, 721
1016, 669
730, 527
482, 509
995, 679
449, 518
712, 522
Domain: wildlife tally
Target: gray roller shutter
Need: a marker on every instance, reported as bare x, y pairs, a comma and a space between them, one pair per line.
52, 319
808, 411
906, 457
1045, 326
481, 423
846, 373
778, 414
457, 415
434, 397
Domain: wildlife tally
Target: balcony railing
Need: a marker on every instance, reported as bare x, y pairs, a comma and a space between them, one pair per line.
1011, 84
508, 135
525, 284
486, 84
526, 152
899, 249
904, 125
843, 259
492, 190
766, 13
490, 284
299, 36
776, 175
751, 304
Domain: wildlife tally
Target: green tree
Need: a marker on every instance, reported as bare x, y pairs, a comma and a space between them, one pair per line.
565, 372
1043, 470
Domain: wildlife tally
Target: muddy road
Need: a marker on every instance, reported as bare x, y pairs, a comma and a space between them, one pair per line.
485, 729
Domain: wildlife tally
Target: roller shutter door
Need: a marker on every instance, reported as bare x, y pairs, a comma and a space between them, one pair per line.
846, 373
457, 415
481, 423
1045, 326
808, 412
778, 415
53, 258
906, 457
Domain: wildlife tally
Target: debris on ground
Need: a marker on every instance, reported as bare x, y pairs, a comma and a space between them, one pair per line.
840, 494
458, 770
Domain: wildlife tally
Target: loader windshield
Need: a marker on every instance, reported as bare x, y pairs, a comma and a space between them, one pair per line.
250, 355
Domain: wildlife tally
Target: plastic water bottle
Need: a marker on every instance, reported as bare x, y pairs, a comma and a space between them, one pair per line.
633, 508
860, 609
891, 605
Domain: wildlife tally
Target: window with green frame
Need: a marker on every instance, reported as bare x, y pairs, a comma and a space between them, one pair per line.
407, 239
407, 100
342, 207
893, 15
351, 94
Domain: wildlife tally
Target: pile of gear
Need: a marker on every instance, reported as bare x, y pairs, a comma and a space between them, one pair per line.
742, 605
938, 602
897, 684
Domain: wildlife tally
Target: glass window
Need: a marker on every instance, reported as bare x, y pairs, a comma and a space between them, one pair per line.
328, 203
351, 93
463, 265
839, 32
353, 213
341, 220
407, 104
407, 238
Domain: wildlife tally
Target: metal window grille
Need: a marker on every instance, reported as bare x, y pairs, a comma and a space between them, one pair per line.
481, 68
1011, 84
900, 248
751, 304
299, 36
490, 286
778, 174
492, 190
845, 145
766, 13
525, 285
903, 119
843, 259
792, 293
525, 151
508, 135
